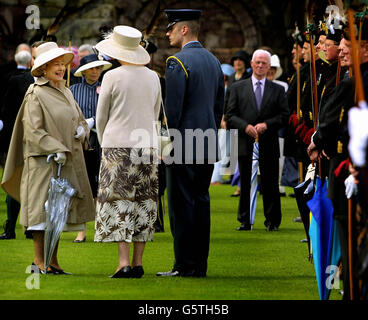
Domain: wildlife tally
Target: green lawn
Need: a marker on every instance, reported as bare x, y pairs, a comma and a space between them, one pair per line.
254, 265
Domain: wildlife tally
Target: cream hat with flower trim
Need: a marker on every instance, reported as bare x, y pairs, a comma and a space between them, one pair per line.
124, 44
47, 52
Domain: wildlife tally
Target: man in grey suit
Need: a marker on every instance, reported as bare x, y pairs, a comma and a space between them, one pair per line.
258, 108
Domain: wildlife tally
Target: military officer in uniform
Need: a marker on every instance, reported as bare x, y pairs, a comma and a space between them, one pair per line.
194, 101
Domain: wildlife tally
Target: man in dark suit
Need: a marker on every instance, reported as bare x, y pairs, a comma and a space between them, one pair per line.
194, 102
258, 108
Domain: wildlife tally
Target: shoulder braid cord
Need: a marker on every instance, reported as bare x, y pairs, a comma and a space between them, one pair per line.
181, 63
186, 76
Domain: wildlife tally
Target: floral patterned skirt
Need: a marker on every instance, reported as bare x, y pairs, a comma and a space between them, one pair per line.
127, 195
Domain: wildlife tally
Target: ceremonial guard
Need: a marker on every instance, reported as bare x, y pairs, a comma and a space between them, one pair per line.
331, 140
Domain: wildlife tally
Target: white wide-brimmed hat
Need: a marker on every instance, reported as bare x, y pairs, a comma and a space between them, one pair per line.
91, 61
275, 63
124, 44
47, 52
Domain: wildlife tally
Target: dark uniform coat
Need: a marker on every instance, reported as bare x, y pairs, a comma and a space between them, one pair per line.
194, 95
194, 101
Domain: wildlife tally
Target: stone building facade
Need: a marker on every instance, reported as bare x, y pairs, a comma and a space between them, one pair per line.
227, 26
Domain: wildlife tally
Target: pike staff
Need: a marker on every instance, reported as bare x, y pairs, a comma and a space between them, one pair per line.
360, 99
314, 84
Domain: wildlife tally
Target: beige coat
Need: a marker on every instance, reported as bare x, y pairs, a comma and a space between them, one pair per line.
46, 123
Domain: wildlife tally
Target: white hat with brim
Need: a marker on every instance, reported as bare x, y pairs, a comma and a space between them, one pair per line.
47, 52
275, 63
105, 65
124, 44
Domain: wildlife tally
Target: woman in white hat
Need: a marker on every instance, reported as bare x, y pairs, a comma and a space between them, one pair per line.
275, 72
128, 106
49, 122
86, 94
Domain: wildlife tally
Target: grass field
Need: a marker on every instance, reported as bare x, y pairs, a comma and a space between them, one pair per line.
252, 265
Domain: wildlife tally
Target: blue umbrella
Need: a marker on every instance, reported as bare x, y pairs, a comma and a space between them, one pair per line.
321, 234
335, 254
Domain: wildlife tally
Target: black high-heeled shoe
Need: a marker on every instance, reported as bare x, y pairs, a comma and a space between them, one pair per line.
57, 271
125, 272
36, 269
80, 241
137, 272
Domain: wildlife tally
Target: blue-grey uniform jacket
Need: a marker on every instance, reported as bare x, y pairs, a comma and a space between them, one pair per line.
194, 102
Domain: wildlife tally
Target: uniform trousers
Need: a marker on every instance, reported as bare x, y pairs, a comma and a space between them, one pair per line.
189, 212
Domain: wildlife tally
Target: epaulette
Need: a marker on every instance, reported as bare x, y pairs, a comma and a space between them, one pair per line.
181, 63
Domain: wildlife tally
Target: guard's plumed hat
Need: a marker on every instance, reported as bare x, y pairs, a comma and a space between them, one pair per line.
335, 32
177, 15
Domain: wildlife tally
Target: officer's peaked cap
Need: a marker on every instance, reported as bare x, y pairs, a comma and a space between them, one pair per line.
177, 15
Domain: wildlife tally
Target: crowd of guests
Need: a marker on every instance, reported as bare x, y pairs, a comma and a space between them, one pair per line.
89, 125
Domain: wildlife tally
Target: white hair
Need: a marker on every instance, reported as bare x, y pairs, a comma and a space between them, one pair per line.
23, 58
21, 47
86, 47
261, 51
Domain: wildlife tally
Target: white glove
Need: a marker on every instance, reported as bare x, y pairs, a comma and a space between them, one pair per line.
60, 158
351, 188
1, 125
90, 122
80, 134
311, 171
358, 131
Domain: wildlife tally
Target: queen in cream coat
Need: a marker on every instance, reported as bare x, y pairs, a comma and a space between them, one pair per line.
49, 122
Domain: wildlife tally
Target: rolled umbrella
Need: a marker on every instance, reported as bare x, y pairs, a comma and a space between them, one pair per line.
254, 182
57, 208
321, 234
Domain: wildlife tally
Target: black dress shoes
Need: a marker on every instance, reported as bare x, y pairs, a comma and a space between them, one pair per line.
137, 272
176, 273
171, 273
244, 227
272, 228
7, 236
9, 232
125, 272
